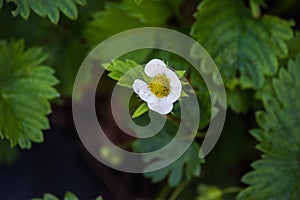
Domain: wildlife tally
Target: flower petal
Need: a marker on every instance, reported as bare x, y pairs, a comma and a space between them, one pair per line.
141, 88
175, 94
174, 80
161, 106
171, 98
154, 67
146, 95
138, 84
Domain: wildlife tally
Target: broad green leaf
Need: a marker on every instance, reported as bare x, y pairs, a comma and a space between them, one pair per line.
64, 44
152, 13
47, 8
143, 108
1, 3
25, 88
245, 49
276, 175
107, 22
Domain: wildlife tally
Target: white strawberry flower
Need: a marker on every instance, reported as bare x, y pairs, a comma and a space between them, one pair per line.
162, 91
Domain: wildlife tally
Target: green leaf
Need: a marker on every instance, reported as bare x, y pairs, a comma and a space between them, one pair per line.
119, 68
65, 48
204, 98
70, 196
1, 4
47, 8
7, 154
138, 2
48, 196
239, 100
184, 94
152, 13
245, 49
294, 45
255, 7
140, 110
209, 192
25, 88
186, 167
180, 73
107, 22
277, 175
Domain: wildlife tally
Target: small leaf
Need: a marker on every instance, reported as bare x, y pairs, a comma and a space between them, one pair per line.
48, 196
125, 72
180, 73
209, 192
99, 198
255, 7
70, 196
140, 110
184, 94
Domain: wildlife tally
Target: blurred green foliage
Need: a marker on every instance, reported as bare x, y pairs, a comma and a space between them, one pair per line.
254, 43
46, 8
279, 140
67, 196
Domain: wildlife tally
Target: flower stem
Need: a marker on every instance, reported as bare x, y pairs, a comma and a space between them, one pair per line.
178, 190
164, 193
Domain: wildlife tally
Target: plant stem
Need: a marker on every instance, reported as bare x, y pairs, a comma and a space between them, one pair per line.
178, 190
164, 193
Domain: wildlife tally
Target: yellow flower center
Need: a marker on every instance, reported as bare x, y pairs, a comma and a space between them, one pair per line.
160, 85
